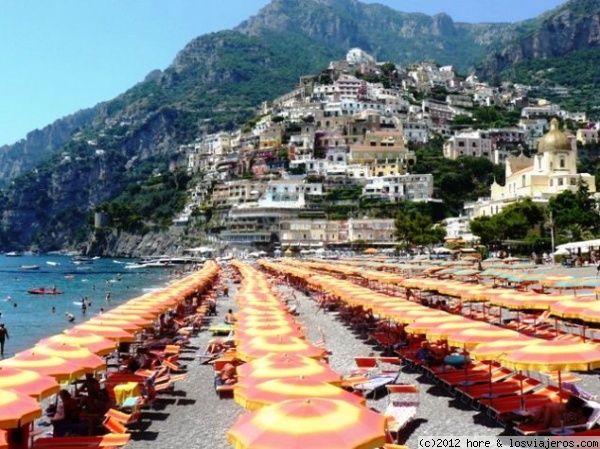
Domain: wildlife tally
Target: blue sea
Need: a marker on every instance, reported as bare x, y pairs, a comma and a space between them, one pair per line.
29, 318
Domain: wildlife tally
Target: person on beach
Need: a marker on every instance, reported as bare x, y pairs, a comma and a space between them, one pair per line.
228, 374
3, 337
66, 417
230, 317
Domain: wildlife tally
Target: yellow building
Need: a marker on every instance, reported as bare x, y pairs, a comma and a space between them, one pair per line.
381, 147
548, 173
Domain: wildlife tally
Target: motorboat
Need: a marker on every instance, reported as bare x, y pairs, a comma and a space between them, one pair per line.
29, 267
44, 291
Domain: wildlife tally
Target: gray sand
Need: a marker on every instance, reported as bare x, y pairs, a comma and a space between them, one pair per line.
194, 417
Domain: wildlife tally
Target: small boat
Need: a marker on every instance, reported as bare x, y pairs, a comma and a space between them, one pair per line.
29, 267
44, 291
13, 254
52, 263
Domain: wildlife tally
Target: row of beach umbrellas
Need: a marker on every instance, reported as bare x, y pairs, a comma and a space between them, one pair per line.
33, 375
293, 397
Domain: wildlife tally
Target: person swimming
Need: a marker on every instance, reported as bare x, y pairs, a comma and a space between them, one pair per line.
70, 317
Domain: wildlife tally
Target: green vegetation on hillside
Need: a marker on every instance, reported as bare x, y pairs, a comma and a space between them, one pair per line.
546, 75
153, 202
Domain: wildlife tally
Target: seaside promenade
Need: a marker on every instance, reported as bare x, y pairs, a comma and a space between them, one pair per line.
194, 416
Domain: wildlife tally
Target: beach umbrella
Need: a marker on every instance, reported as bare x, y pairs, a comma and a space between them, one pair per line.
95, 343
444, 330
28, 382
412, 315
258, 346
17, 409
422, 325
128, 326
83, 357
554, 355
267, 331
572, 308
255, 396
278, 366
493, 350
49, 365
130, 317
309, 423
107, 331
469, 338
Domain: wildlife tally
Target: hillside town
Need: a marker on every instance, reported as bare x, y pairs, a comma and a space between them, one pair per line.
349, 134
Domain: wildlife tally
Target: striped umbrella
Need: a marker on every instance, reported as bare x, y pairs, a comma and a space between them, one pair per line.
309, 423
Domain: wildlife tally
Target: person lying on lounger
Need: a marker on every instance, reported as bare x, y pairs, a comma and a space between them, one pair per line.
557, 414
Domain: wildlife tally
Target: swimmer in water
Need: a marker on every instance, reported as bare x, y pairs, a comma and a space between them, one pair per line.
70, 317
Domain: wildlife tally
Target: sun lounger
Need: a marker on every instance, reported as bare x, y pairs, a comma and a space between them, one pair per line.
504, 405
402, 406
518, 384
537, 429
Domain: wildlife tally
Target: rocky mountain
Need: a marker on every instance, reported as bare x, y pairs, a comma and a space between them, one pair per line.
571, 27
60, 173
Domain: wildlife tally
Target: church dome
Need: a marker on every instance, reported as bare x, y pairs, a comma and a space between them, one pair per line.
554, 140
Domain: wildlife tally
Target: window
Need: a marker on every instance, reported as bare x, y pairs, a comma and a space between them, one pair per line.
560, 181
461, 144
573, 182
562, 162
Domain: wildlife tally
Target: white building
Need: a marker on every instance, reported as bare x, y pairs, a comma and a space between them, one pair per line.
548, 173
395, 188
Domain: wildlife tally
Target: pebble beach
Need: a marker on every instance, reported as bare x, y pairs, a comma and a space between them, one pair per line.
193, 415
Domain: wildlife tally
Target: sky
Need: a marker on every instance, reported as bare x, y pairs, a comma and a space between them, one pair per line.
57, 57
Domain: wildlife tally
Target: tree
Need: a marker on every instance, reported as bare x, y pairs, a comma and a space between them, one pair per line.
575, 212
515, 222
414, 228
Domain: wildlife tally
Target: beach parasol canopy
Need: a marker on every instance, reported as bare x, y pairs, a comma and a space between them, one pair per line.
49, 365
17, 409
554, 355
28, 382
309, 423
83, 357
95, 343
253, 397
259, 346
111, 332
469, 338
271, 367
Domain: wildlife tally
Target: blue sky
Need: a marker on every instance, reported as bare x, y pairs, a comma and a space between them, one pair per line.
61, 56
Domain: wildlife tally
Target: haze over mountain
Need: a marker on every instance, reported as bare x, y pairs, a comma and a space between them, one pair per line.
218, 80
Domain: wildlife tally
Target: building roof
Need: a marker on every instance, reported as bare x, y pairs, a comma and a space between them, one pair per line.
554, 140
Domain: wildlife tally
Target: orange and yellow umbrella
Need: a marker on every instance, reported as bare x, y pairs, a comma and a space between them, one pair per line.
83, 357
493, 350
28, 382
126, 325
111, 332
259, 346
469, 338
281, 366
445, 330
95, 343
17, 409
49, 365
253, 397
422, 325
554, 355
309, 423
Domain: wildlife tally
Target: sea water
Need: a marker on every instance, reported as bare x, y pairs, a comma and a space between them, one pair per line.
29, 318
